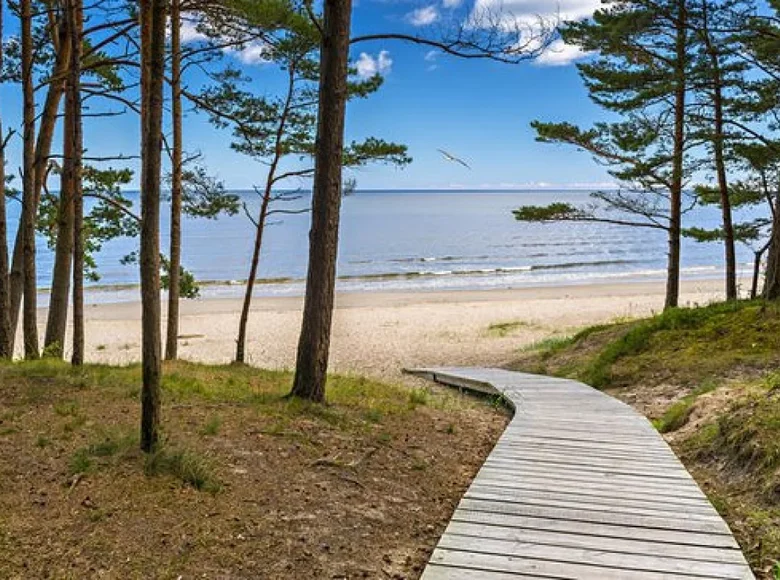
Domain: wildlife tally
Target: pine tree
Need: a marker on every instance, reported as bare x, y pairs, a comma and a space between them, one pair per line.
641, 72
153, 21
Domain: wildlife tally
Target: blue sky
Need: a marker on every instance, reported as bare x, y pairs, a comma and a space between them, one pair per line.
478, 110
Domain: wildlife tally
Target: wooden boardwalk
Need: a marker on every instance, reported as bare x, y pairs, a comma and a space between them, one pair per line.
578, 486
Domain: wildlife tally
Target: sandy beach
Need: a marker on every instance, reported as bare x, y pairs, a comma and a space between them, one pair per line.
378, 334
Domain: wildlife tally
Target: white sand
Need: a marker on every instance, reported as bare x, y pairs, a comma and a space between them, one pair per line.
378, 334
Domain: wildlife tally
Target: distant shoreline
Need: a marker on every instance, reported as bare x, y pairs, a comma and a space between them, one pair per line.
498, 279
378, 333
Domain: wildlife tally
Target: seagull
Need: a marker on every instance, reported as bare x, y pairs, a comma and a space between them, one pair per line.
450, 157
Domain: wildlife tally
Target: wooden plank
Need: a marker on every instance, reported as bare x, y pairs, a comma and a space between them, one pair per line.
684, 537
594, 557
518, 465
554, 494
578, 486
588, 480
619, 493
606, 543
550, 568
604, 517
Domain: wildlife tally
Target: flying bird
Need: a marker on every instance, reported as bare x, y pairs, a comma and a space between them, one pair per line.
450, 157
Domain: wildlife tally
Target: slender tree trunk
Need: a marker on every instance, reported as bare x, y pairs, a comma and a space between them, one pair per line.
77, 357
153, 17
30, 325
772, 278
56, 325
718, 146
6, 340
250, 283
266, 201
675, 214
48, 122
172, 334
314, 343
757, 271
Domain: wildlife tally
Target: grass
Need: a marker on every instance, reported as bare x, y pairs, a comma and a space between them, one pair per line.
211, 427
244, 480
502, 329
677, 415
187, 466
686, 344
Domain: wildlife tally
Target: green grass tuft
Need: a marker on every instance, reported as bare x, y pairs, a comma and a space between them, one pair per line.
211, 427
502, 329
187, 466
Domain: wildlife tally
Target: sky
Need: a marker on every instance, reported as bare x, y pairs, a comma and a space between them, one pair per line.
478, 111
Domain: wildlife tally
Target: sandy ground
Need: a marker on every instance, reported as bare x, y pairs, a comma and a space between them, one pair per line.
380, 333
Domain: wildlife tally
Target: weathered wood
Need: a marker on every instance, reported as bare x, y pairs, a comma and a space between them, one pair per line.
578, 486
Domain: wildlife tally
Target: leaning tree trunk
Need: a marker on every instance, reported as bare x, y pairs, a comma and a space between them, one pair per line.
30, 325
174, 274
48, 122
56, 325
153, 17
314, 343
77, 357
250, 283
675, 213
6, 340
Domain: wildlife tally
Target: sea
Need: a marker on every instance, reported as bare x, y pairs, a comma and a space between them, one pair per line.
412, 241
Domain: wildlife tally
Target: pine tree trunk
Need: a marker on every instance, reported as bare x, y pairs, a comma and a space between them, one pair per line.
756, 274
153, 17
675, 214
56, 325
172, 334
29, 209
718, 145
48, 121
314, 343
772, 278
250, 283
6, 341
77, 357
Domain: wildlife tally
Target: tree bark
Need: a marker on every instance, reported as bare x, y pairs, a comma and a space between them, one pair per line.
266, 201
77, 357
153, 17
675, 213
718, 146
314, 343
172, 334
30, 325
250, 283
6, 340
42, 150
772, 279
56, 325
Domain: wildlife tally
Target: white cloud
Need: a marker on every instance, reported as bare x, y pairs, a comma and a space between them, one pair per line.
189, 32
251, 53
527, 15
560, 54
431, 55
529, 11
255, 52
451, 3
368, 66
423, 16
